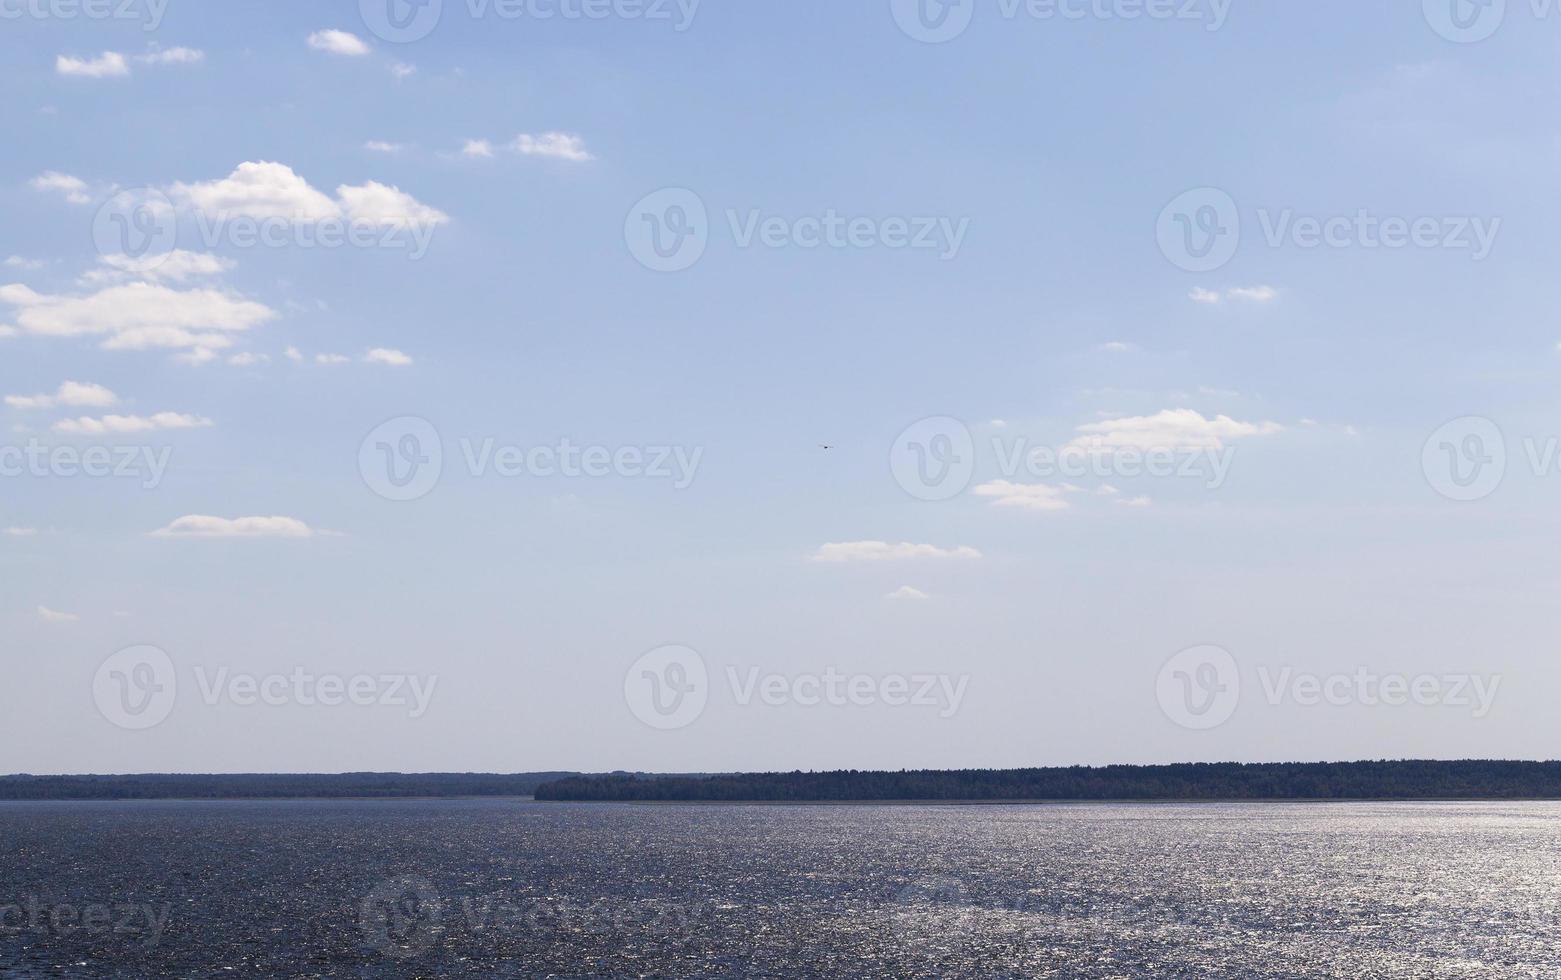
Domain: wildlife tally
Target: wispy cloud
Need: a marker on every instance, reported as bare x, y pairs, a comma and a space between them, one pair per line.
109, 64
858, 551
200, 526
52, 616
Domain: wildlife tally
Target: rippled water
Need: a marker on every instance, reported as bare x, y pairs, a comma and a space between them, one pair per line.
516, 889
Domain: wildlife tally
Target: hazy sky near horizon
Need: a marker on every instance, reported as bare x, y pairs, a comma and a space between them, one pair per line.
735, 328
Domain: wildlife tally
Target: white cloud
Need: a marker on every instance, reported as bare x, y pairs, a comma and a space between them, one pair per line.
331, 359
381, 146
477, 148
109, 64
403, 70
138, 315
1172, 429
261, 189
906, 593
1025, 496
293, 354
198, 526
562, 146
1119, 347
387, 356
338, 42
175, 266
19, 532
374, 203
248, 359
196, 356
884, 551
1247, 294
266, 190
172, 56
6, 330
1136, 502
77, 394
85, 426
18, 262
74, 188
50, 616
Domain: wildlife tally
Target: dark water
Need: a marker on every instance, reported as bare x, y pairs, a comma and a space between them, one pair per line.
511, 889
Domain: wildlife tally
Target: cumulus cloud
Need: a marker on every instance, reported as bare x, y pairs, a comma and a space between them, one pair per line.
331, 359
74, 188
175, 266
109, 64
907, 594
853, 551
248, 359
265, 190
383, 206
387, 356
1207, 297
138, 315
1025, 496
1172, 429
293, 354
338, 42
119, 424
561, 146
260, 189
51, 616
200, 526
77, 394
477, 148
18, 262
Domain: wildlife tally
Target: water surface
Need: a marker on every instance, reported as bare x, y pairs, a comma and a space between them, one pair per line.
502, 888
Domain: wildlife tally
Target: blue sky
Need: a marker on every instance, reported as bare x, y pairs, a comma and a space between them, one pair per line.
520, 150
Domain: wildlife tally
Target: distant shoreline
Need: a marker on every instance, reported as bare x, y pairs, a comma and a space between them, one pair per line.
1359, 782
